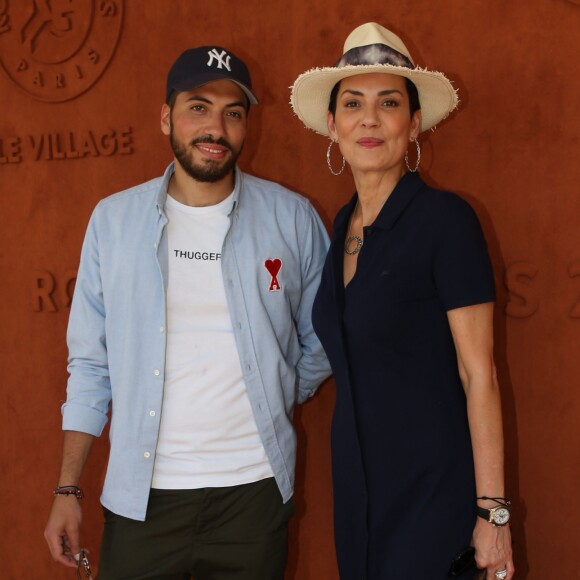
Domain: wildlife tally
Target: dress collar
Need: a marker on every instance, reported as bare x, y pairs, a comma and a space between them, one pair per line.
400, 198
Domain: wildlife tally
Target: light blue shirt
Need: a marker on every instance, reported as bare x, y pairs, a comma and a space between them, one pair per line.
116, 333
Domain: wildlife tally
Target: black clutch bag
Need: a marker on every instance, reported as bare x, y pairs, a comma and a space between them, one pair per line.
462, 563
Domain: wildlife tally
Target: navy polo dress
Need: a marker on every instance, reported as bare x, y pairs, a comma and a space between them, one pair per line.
403, 475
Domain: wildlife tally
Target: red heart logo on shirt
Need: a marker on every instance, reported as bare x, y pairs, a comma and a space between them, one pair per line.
274, 266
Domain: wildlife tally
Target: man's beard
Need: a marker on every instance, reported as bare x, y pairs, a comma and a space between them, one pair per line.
210, 171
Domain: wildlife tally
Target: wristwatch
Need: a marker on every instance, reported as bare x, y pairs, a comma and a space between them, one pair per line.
498, 516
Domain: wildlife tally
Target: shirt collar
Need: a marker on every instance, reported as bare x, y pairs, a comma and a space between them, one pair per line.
238, 180
162, 193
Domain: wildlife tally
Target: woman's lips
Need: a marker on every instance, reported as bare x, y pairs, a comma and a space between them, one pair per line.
369, 142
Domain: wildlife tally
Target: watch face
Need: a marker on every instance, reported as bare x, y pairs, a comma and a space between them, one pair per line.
501, 516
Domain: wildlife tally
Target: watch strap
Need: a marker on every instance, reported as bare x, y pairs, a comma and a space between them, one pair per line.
485, 514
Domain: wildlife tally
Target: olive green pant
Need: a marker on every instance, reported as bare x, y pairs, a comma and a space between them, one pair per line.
229, 533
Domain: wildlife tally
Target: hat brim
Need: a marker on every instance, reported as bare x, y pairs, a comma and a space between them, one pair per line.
311, 92
199, 80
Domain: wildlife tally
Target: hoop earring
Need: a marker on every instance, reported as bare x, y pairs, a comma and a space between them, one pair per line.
416, 141
328, 160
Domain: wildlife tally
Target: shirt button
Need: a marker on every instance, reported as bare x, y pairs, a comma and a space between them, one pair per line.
161, 329
147, 455
239, 325
156, 372
151, 413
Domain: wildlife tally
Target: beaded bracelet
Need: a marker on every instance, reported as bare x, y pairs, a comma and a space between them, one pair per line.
69, 490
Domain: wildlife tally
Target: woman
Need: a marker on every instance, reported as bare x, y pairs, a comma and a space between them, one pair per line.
404, 312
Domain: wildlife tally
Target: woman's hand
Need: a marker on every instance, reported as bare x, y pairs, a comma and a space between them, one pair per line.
493, 549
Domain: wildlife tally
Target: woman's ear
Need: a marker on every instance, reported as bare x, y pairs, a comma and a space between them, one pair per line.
331, 125
416, 124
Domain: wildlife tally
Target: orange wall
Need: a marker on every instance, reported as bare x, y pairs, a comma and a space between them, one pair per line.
512, 150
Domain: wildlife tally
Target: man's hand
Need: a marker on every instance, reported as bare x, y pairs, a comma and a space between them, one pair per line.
63, 528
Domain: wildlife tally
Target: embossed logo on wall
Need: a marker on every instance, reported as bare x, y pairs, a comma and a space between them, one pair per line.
55, 50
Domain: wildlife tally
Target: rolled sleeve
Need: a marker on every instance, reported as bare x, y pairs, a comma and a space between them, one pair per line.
88, 389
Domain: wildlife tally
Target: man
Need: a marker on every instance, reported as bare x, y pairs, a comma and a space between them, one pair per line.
191, 315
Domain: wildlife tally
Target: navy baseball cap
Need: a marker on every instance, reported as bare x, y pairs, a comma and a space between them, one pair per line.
201, 65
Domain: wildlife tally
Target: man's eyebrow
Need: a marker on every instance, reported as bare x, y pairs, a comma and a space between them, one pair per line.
210, 102
198, 98
236, 104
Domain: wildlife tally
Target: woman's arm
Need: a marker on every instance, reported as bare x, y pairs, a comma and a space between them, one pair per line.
472, 329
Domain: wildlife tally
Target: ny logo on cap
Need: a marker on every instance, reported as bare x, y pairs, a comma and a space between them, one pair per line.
219, 57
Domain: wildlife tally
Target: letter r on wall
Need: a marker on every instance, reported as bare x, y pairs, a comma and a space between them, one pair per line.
44, 284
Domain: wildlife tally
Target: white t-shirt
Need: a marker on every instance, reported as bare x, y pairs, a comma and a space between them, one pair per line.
208, 436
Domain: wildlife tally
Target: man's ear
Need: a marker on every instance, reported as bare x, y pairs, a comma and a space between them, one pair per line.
165, 119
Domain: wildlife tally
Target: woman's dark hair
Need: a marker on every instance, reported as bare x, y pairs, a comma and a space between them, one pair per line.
413, 94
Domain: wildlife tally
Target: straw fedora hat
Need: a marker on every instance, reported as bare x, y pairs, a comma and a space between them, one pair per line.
371, 48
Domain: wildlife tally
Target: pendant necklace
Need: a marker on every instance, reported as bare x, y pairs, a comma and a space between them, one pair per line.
348, 249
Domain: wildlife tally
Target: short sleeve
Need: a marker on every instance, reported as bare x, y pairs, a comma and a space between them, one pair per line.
462, 269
